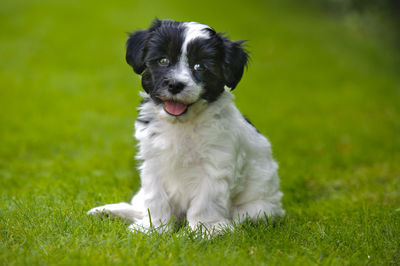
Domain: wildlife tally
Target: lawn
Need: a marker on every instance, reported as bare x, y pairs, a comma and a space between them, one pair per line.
324, 88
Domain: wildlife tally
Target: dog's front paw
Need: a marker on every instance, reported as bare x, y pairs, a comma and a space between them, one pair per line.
145, 226
135, 227
209, 230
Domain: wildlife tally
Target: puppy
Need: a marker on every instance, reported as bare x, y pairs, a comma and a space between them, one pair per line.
201, 160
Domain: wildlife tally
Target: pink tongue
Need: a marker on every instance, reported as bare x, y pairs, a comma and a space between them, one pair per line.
175, 108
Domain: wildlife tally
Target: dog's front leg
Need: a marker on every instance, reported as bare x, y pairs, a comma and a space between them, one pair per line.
210, 207
156, 209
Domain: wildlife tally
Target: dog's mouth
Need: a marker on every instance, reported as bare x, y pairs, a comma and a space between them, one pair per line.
175, 108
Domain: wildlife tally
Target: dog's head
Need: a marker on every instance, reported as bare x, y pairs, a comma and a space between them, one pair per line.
184, 63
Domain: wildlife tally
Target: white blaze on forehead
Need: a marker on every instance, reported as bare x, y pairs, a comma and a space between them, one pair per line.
193, 31
182, 72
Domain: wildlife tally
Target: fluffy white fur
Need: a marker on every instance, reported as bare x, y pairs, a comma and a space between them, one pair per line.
208, 166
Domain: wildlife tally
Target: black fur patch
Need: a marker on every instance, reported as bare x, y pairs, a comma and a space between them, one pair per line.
164, 40
146, 122
142, 102
248, 121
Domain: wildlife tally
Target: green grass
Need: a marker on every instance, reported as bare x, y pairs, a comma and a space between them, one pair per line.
324, 89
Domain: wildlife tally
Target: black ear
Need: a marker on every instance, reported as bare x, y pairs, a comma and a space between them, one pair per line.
134, 50
135, 47
235, 60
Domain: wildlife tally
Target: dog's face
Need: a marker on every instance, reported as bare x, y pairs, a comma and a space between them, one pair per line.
184, 64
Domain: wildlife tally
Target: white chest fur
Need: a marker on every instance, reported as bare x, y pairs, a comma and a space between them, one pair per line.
184, 156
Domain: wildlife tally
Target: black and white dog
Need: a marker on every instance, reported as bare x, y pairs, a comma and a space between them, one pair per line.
201, 159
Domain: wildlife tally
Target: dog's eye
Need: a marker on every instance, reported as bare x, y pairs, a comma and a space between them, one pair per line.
199, 67
163, 61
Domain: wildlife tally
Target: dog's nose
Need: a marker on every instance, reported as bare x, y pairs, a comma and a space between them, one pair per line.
174, 86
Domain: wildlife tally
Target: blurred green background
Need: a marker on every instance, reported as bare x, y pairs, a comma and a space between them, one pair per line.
323, 84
